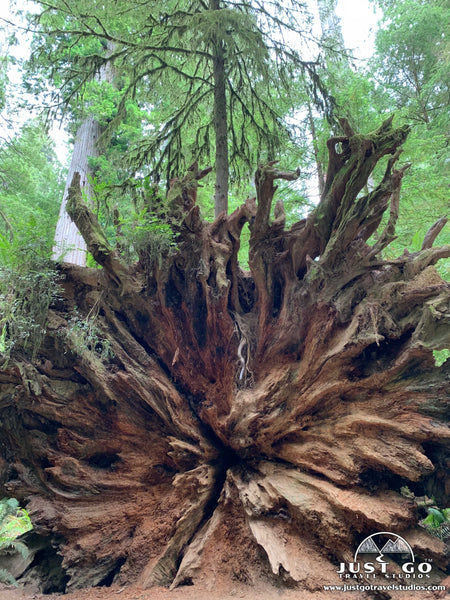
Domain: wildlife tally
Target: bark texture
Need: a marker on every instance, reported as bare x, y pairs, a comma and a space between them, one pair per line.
69, 245
244, 425
220, 121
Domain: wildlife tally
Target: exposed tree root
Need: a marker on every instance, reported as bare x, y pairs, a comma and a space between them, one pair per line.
243, 425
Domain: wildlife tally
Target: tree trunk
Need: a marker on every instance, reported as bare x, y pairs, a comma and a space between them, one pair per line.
224, 425
319, 166
331, 24
68, 243
220, 123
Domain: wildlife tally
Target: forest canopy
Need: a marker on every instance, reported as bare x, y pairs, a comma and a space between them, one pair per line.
286, 87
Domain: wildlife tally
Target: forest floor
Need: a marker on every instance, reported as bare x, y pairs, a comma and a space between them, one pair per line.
196, 593
181, 593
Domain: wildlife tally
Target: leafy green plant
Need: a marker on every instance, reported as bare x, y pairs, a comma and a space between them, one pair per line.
28, 284
440, 356
148, 236
436, 517
14, 521
84, 335
437, 522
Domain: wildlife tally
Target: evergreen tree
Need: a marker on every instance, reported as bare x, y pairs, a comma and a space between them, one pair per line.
412, 73
214, 75
413, 53
30, 182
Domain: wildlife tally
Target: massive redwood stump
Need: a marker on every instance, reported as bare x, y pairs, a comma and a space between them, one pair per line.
242, 425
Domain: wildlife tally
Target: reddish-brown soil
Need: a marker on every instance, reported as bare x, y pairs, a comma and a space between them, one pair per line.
202, 593
181, 593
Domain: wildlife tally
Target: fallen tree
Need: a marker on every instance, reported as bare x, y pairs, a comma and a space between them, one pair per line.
258, 424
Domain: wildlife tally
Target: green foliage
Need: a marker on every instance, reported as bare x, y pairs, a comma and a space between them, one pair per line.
147, 236
28, 285
243, 254
441, 356
101, 100
31, 184
3, 81
413, 49
135, 219
166, 63
14, 521
436, 517
437, 522
113, 174
84, 335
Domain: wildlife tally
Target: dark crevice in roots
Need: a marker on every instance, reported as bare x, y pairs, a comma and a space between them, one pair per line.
108, 580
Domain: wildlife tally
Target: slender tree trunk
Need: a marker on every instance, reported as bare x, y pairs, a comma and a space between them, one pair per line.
319, 166
220, 123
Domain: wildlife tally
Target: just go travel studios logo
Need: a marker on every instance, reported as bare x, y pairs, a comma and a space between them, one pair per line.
384, 554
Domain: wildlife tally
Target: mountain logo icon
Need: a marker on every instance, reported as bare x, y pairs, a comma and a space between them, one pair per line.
384, 542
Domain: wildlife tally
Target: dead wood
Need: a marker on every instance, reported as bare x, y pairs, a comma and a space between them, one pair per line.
281, 409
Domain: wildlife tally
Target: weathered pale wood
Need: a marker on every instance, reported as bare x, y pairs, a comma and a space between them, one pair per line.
69, 246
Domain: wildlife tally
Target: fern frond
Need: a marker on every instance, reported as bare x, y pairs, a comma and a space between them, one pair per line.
6, 577
13, 546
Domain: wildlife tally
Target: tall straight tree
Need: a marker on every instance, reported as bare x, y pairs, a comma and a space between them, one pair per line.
220, 119
216, 75
68, 242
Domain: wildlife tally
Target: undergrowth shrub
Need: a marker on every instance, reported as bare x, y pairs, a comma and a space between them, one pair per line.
83, 334
28, 285
14, 521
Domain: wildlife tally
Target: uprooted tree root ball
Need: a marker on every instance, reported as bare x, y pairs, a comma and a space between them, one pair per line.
258, 424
